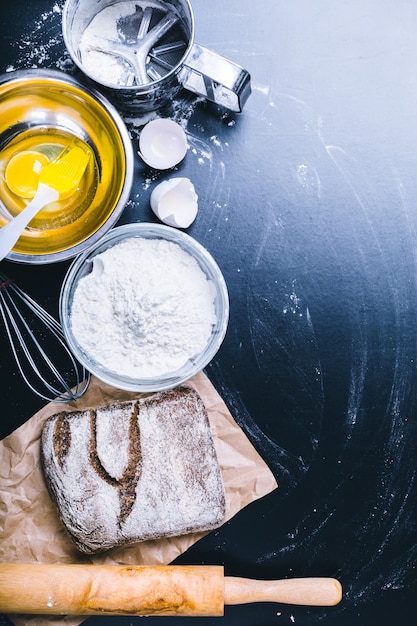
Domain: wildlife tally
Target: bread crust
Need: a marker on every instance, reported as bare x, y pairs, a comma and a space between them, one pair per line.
134, 471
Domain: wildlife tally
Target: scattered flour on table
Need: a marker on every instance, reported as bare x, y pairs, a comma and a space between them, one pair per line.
42, 45
145, 309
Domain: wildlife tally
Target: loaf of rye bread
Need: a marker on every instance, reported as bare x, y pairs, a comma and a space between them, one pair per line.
134, 471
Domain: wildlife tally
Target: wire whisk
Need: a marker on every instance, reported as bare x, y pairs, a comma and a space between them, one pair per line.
38, 345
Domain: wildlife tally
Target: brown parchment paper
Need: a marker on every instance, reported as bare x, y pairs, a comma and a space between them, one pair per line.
30, 530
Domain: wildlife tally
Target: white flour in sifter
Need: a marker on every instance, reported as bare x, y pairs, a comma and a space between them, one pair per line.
98, 41
145, 309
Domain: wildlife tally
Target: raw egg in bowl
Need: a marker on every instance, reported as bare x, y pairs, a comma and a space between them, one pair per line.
41, 113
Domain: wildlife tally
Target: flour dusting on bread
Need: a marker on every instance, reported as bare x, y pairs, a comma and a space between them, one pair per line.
134, 471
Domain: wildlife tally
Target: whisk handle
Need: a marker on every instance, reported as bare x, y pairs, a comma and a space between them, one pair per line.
10, 233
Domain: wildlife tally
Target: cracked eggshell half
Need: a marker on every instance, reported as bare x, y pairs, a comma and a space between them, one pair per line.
175, 202
162, 143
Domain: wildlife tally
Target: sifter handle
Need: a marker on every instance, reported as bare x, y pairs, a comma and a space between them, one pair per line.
208, 74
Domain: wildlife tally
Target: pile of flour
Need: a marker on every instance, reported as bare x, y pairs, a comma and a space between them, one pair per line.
145, 309
96, 45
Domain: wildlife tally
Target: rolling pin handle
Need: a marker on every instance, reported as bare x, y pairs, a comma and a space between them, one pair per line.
301, 591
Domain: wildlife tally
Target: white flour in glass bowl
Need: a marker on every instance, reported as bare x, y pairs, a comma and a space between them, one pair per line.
145, 309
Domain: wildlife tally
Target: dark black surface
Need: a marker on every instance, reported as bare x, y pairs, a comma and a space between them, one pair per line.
308, 202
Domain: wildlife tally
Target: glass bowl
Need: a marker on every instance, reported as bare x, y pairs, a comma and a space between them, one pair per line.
42, 110
82, 266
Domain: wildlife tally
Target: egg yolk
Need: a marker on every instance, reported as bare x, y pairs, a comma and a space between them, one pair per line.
22, 172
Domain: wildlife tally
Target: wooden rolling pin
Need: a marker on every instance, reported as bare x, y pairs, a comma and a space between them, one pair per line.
143, 590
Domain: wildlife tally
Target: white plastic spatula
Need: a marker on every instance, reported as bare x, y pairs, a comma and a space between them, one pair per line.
58, 179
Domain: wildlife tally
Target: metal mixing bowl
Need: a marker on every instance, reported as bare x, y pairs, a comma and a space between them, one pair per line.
43, 110
83, 265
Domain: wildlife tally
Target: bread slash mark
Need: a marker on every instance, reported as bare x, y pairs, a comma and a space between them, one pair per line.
61, 438
126, 485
